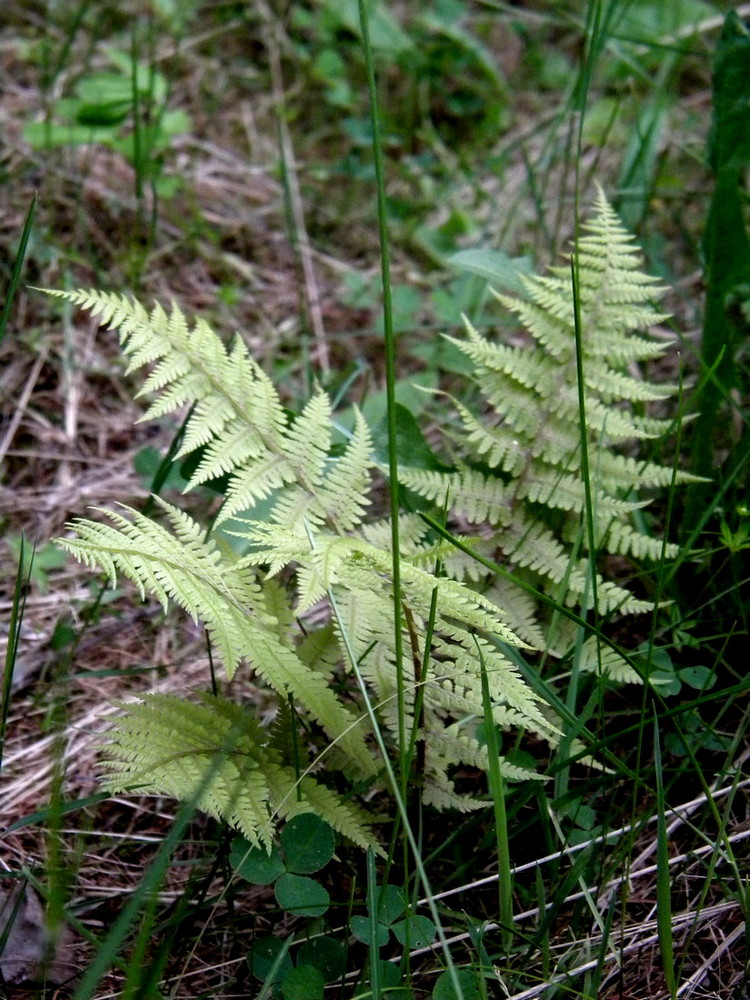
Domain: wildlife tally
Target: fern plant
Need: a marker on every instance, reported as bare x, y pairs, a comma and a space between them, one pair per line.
303, 594
519, 484
310, 596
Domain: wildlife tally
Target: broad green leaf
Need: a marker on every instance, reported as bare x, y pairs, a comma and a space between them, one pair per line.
411, 447
414, 932
308, 843
729, 143
391, 903
103, 114
726, 252
254, 864
361, 930
386, 35
301, 895
408, 393
665, 682
502, 272
269, 957
43, 135
326, 954
468, 982
699, 678
390, 974
105, 88
303, 983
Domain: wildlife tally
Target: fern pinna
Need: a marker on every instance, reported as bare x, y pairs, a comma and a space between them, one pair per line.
313, 537
519, 481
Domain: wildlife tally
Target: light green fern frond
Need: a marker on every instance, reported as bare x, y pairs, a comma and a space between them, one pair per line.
220, 591
215, 755
519, 485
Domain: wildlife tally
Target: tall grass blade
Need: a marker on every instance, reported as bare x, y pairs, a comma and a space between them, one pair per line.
373, 906
663, 883
15, 274
23, 576
497, 791
726, 248
390, 389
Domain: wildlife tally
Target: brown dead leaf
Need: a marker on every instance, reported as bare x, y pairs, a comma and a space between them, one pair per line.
27, 950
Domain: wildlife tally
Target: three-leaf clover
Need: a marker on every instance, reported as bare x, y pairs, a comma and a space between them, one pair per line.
306, 845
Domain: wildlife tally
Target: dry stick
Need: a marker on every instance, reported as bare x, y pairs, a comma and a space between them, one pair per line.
575, 896
23, 402
300, 230
700, 973
600, 839
683, 812
633, 947
73, 377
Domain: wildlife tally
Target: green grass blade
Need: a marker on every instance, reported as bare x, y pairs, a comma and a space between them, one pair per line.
497, 791
726, 248
373, 900
390, 387
15, 274
663, 885
14, 634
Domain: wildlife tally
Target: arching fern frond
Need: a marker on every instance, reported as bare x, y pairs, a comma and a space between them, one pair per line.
215, 755
214, 587
311, 597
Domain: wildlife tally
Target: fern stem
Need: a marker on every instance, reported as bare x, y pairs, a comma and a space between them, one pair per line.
390, 391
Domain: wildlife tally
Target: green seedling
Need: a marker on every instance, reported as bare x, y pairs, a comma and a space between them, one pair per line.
469, 985
124, 109
392, 915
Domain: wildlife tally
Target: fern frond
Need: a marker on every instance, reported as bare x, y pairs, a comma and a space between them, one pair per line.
226, 597
315, 587
216, 756
184, 568
344, 493
310, 552
519, 474
309, 440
